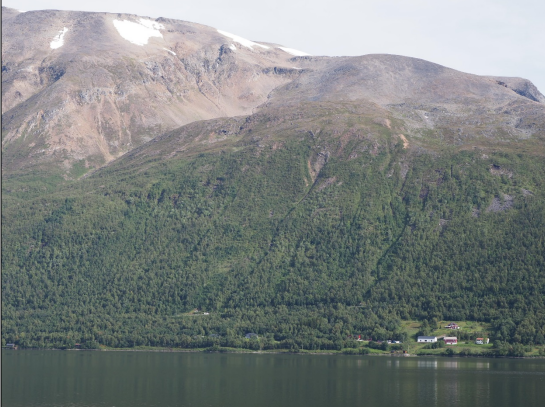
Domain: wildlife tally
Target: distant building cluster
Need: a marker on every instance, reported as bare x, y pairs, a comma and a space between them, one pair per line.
450, 340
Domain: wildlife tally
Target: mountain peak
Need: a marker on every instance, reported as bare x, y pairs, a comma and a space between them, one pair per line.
89, 87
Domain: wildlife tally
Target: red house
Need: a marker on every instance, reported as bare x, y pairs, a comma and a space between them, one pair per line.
451, 340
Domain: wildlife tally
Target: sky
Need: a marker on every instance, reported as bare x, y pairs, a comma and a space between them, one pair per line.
484, 37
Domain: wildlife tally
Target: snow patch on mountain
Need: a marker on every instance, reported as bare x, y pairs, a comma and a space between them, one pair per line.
58, 40
172, 52
241, 41
295, 52
232, 46
138, 33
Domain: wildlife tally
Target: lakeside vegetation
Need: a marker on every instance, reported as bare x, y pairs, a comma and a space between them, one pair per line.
351, 348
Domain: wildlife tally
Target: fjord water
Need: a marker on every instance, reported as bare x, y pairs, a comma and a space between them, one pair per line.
80, 378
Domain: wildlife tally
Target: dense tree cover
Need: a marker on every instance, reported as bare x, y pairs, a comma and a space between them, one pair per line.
252, 238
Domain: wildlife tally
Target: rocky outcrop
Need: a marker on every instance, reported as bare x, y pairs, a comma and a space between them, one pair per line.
522, 87
500, 205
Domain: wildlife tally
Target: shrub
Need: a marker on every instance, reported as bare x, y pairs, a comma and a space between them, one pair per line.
380, 346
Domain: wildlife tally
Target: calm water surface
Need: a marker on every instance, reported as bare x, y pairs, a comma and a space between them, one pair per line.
78, 379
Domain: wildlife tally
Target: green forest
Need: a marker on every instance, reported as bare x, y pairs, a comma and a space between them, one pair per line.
303, 243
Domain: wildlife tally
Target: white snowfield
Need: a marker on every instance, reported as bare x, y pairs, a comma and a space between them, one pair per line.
232, 46
58, 41
172, 52
138, 33
294, 52
241, 41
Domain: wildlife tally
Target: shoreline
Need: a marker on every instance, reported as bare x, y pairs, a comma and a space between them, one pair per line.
398, 355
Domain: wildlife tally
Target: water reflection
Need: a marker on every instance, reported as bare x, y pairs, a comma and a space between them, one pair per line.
452, 391
427, 364
40, 379
451, 364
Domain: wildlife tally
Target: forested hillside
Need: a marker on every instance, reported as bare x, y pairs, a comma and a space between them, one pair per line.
304, 229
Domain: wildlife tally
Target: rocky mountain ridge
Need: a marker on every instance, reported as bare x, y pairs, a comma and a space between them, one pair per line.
85, 88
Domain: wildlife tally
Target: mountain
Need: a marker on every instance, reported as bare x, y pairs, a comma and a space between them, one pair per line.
91, 86
81, 89
346, 195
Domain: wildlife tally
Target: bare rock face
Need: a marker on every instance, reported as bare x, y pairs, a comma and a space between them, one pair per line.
523, 87
92, 86
500, 205
431, 99
393, 79
89, 87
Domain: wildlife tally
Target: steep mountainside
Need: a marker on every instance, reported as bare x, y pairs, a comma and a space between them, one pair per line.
323, 197
305, 226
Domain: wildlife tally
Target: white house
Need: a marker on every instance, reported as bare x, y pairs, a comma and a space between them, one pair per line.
427, 339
